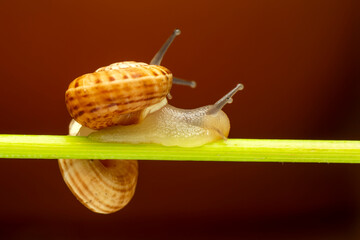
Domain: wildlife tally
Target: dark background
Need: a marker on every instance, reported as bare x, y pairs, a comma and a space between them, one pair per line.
299, 62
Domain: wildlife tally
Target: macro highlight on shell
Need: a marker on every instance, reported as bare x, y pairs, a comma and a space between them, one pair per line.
126, 102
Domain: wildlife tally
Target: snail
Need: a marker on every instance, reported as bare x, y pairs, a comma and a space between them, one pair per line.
126, 102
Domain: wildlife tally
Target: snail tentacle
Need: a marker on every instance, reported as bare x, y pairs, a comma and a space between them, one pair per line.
224, 100
180, 81
160, 54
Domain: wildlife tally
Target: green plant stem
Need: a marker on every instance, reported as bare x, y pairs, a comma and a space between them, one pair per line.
232, 150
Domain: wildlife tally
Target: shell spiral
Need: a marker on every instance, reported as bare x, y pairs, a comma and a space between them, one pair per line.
103, 186
117, 94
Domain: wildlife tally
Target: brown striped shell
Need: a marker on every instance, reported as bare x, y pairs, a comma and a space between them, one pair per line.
103, 186
119, 94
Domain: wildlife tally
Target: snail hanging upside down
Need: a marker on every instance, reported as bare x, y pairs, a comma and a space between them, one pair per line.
126, 102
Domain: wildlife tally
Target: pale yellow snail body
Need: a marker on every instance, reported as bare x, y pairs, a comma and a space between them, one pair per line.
171, 126
131, 94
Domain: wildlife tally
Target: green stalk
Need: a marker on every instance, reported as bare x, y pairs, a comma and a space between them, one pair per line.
232, 150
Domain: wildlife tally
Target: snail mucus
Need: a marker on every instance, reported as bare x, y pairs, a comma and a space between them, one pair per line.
126, 102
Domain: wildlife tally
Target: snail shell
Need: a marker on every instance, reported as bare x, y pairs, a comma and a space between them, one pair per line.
119, 94
103, 186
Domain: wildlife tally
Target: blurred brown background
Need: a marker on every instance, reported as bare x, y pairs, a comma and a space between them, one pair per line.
299, 62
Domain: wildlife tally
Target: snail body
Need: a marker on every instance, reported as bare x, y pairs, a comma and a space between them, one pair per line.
171, 126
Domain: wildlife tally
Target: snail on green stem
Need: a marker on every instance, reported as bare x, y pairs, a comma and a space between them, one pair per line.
126, 102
